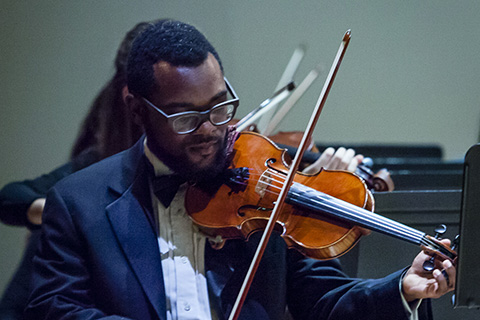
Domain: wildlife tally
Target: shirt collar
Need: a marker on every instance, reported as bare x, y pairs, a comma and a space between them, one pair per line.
158, 166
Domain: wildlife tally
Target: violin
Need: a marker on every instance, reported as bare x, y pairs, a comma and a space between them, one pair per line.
325, 214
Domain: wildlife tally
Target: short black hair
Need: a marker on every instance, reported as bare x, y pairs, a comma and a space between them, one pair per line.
175, 42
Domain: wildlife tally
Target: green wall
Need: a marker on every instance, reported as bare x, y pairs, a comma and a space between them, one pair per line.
410, 75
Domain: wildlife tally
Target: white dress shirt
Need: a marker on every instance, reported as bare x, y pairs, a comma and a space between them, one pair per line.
182, 250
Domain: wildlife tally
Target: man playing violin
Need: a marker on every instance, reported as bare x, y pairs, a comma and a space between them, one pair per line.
117, 241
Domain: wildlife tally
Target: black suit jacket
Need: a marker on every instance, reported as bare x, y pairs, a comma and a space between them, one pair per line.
99, 257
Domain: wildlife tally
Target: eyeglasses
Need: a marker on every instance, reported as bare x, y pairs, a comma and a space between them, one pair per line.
189, 121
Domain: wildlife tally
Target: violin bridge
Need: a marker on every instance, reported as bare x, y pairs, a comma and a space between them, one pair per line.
263, 183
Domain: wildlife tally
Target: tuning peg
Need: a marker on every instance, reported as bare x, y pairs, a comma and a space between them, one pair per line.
367, 162
429, 264
455, 242
440, 230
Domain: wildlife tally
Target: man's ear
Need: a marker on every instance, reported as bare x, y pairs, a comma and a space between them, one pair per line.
125, 93
134, 105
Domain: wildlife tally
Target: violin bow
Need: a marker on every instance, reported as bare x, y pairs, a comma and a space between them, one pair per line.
265, 106
290, 102
291, 173
287, 76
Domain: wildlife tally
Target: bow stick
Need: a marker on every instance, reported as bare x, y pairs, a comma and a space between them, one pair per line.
265, 106
287, 76
290, 102
291, 173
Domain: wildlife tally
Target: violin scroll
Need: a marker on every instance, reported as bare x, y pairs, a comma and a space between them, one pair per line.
380, 181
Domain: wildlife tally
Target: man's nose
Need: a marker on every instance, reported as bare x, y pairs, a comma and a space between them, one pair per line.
206, 126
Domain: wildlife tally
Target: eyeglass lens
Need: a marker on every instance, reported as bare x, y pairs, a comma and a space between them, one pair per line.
217, 116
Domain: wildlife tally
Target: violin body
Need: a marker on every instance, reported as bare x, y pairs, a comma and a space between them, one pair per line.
236, 211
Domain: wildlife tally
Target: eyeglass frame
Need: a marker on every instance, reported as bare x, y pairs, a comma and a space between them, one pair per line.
204, 115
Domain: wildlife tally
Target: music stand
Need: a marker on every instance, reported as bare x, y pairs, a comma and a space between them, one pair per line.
467, 288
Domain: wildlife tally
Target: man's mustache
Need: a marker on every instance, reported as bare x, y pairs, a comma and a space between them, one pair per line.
205, 139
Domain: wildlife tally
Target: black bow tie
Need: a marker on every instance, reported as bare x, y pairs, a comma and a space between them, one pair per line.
165, 187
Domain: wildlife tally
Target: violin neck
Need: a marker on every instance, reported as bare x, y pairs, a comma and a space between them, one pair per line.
321, 203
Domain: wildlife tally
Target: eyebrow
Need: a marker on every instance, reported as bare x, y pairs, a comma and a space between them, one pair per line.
175, 105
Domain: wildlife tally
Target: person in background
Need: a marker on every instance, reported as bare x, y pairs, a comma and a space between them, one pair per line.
118, 243
107, 129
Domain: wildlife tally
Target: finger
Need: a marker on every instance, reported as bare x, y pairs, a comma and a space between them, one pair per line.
449, 273
346, 159
320, 162
326, 157
432, 289
441, 282
336, 159
445, 279
355, 162
440, 286
446, 242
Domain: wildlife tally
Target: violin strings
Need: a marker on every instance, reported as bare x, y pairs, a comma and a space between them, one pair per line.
374, 220
346, 210
370, 219
366, 216
435, 246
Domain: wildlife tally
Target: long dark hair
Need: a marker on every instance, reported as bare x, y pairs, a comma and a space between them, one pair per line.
108, 127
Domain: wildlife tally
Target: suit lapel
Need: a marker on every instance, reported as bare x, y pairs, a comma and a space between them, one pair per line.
131, 219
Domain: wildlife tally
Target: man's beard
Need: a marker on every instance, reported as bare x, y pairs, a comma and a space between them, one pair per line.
190, 172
